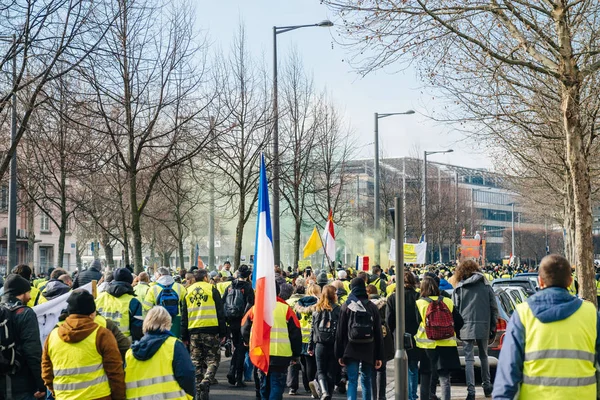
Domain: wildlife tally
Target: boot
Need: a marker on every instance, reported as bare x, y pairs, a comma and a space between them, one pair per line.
381, 385
325, 395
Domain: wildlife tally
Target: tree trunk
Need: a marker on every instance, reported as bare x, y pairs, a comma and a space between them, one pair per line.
78, 253
297, 226
239, 236
580, 179
569, 222
108, 250
135, 223
166, 256
30, 233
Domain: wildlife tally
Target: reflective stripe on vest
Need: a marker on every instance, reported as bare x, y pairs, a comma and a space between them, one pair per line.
559, 355
116, 309
153, 378
78, 369
201, 309
280, 345
421, 337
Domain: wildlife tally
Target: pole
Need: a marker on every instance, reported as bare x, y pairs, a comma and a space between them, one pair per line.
12, 200
512, 228
456, 212
211, 213
275, 212
404, 195
424, 204
376, 200
400, 356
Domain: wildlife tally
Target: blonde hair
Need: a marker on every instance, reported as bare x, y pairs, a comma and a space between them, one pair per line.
157, 319
313, 290
327, 298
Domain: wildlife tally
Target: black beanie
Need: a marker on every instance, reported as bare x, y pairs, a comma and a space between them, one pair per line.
81, 302
16, 285
322, 279
123, 275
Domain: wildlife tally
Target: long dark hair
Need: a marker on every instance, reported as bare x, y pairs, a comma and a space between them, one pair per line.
409, 280
429, 287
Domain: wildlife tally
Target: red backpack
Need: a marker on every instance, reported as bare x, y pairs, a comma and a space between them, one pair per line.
439, 324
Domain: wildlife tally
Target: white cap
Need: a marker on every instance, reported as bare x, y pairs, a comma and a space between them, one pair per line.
342, 274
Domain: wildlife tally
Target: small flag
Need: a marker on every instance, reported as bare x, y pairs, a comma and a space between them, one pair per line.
422, 240
263, 279
313, 245
329, 238
362, 263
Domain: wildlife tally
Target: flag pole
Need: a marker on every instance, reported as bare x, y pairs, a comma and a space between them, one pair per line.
326, 255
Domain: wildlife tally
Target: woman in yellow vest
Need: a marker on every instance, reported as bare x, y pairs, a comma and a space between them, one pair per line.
304, 309
81, 359
159, 364
441, 354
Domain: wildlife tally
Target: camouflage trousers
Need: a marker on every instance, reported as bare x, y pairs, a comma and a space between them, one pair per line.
205, 350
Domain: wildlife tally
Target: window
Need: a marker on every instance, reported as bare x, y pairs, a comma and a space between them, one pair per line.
4, 198
45, 223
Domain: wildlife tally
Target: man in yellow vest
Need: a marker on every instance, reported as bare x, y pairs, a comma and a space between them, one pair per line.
36, 295
164, 281
551, 342
285, 348
119, 304
203, 327
379, 280
81, 359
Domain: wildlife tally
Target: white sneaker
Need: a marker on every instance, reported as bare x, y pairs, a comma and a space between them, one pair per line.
314, 389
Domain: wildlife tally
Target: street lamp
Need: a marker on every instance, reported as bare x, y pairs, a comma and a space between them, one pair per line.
276, 31
377, 235
424, 203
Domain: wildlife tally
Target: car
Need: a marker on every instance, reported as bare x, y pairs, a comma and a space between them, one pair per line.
517, 293
533, 276
523, 282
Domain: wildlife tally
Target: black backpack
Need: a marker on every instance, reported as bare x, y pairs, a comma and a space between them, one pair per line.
326, 327
8, 352
360, 325
235, 303
169, 299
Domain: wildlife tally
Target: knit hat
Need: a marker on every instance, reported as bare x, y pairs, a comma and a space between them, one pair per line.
81, 302
96, 264
123, 275
322, 279
16, 285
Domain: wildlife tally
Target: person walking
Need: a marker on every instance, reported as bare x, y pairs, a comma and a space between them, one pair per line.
203, 327
93, 273
36, 295
439, 322
25, 381
304, 309
285, 348
119, 304
238, 299
551, 342
359, 339
168, 294
476, 303
142, 286
81, 359
379, 376
411, 323
159, 365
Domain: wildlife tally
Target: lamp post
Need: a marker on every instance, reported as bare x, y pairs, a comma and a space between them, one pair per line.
376, 213
512, 232
275, 218
424, 202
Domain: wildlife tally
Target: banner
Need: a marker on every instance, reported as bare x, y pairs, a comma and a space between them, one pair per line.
48, 313
302, 264
414, 253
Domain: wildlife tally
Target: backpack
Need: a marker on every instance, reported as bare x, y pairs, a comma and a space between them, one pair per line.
169, 299
326, 327
360, 324
235, 303
439, 324
8, 353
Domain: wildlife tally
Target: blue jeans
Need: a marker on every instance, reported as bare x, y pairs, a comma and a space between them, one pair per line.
272, 385
248, 368
413, 379
366, 372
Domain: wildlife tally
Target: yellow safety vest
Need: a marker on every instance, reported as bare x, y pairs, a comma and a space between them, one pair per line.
116, 309
201, 309
559, 356
377, 284
572, 289
280, 345
488, 276
598, 288
78, 369
391, 288
36, 297
153, 378
505, 276
38, 283
222, 286
149, 300
421, 337
342, 299
305, 326
346, 286
141, 290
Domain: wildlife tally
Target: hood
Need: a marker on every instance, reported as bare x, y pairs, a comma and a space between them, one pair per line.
55, 288
149, 344
553, 304
341, 292
166, 280
118, 289
444, 284
476, 277
380, 302
76, 328
306, 304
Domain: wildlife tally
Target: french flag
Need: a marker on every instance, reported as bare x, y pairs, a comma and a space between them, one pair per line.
329, 238
263, 279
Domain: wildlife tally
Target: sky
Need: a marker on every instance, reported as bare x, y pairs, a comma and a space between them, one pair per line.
356, 97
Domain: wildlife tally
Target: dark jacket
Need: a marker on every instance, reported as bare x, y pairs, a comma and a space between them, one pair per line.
28, 378
316, 319
411, 314
365, 352
548, 305
476, 303
220, 330
118, 289
55, 288
183, 369
276, 363
246, 288
85, 277
75, 329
